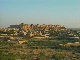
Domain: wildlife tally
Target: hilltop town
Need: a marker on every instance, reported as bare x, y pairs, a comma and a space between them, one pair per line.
39, 42
39, 31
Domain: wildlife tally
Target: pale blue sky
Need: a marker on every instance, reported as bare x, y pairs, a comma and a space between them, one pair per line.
63, 12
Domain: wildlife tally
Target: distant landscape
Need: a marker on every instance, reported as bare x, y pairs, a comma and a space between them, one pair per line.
74, 28
39, 42
39, 29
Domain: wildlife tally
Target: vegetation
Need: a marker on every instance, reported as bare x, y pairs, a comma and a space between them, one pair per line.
39, 50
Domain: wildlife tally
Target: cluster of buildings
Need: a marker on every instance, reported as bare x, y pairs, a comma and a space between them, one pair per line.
36, 26
36, 31
39, 31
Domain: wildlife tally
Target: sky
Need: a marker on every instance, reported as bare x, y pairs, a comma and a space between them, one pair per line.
62, 12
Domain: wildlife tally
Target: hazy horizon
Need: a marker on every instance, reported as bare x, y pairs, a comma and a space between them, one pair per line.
62, 12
